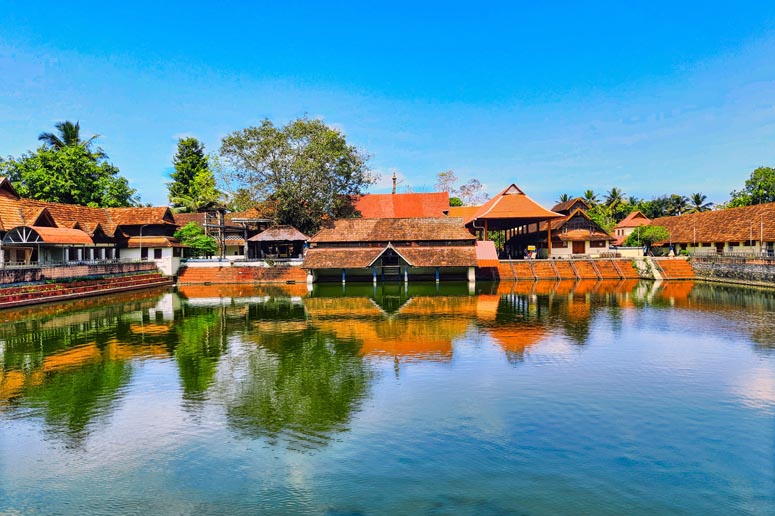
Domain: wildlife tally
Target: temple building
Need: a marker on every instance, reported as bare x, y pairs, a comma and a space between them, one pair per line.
628, 226
38, 233
393, 248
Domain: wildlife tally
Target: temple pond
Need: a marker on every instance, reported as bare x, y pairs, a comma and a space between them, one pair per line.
518, 398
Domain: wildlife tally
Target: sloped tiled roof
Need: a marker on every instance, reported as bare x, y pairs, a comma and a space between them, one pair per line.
453, 256
729, 225
486, 254
141, 216
380, 206
512, 203
463, 212
280, 234
338, 258
565, 207
51, 235
153, 241
181, 219
593, 233
633, 220
394, 230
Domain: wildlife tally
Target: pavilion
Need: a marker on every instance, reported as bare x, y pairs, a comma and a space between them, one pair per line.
510, 211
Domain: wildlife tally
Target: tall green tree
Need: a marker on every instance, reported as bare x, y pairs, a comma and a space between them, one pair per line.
69, 136
677, 205
758, 189
193, 183
306, 167
71, 174
614, 198
591, 197
648, 236
563, 198
698, 203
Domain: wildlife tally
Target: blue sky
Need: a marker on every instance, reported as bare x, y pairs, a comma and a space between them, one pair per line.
655, 98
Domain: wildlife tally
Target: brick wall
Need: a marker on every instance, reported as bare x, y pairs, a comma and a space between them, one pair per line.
237, 274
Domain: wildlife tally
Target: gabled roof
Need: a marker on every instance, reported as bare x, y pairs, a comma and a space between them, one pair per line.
567, 206
181, 219
141, 216
633, 220
6, 188
729, 225
153, 241
280, 234
358, 257
429, 229
593, 233
512, 204
381, 206
486, 254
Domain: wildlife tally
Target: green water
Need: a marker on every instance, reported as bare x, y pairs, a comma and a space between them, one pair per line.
587, 398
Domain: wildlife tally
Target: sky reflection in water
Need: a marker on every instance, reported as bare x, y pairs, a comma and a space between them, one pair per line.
520, 398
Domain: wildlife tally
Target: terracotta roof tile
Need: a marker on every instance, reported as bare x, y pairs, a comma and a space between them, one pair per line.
568, 206
379, 206
153, 241
453, 256
511, 203
51, 235
141, 216
633, 220
181, 219
729, 225
394, 230
463, 212
339, 258
280, 234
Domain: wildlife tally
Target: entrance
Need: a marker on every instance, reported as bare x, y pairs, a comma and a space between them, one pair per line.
578, 247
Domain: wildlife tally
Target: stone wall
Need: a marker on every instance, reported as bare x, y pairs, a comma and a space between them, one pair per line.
741, 271
239, 274
76, 270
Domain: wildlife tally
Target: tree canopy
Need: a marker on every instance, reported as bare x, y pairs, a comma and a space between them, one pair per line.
193, 183
308, 168
65, 169
758, 189
647, 235
199, 244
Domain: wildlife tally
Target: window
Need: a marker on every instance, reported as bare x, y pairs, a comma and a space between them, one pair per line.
144, 253
176, 252
157, 254
598, 243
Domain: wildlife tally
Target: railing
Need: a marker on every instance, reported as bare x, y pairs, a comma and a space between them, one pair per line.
71, 263
735, 257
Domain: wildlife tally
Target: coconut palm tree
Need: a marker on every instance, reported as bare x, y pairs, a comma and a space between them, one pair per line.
614, 198
698, 203
563, 198
590, 197
677, 204
69, 136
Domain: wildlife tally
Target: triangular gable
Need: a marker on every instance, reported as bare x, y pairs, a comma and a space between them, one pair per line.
44, 219
389, 246
579, 212
512, 203
7, 190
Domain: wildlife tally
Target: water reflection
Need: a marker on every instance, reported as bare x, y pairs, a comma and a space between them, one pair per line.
284, 361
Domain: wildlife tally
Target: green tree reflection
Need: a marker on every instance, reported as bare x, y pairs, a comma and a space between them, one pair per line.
305, 385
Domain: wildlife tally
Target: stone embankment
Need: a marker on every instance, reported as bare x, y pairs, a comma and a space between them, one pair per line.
239, 274
35, 293
742, 271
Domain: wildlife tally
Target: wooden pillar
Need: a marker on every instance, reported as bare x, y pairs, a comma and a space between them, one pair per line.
486, 229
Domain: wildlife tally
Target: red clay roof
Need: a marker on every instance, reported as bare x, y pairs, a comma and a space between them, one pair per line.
729, 225
634, 220
280, 234
388, 206
181, 219
141, 216
453, 256
339, 258
567, 206
463, 212
394, 230
512, 203
60, 235
486, 254
153, 241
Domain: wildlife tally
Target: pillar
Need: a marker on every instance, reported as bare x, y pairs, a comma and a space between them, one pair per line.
548, 238
374, 275
344, 276
437, 274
